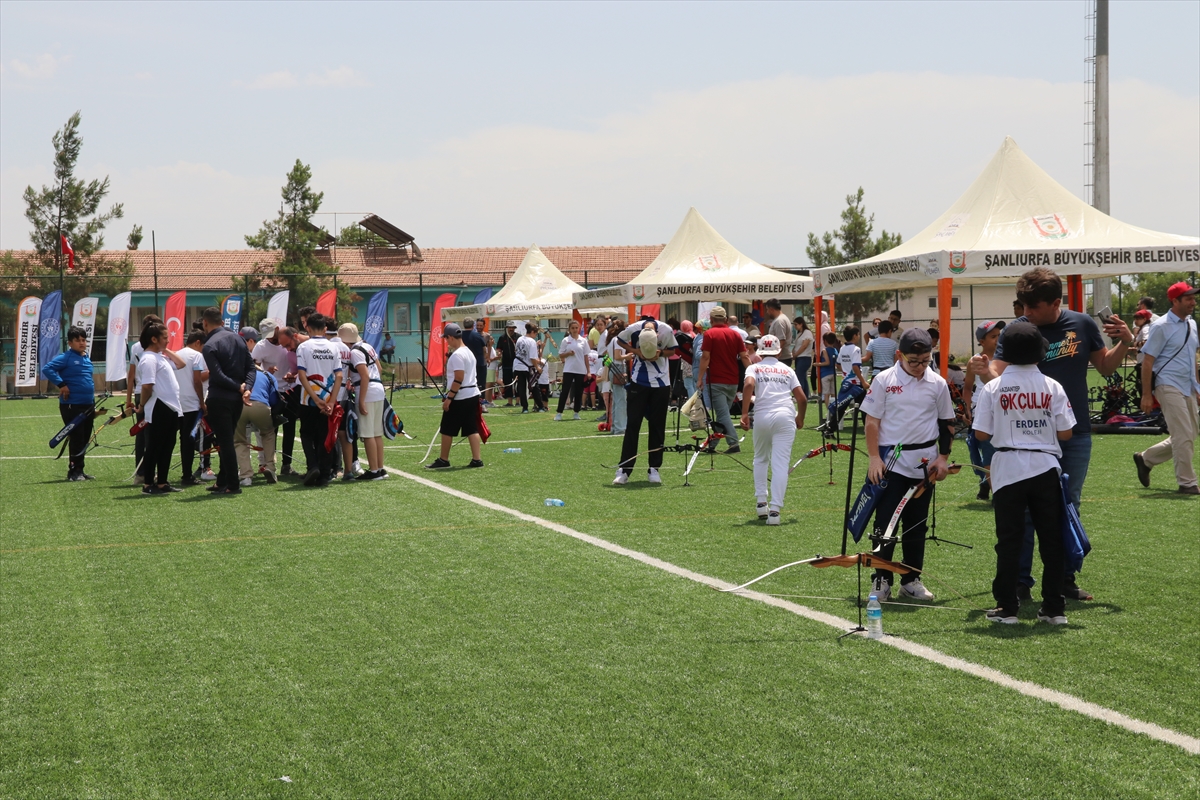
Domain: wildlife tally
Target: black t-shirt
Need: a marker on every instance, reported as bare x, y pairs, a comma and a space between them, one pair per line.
1072, 340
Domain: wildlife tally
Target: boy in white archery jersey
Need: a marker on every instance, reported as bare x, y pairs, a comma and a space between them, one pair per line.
773, 386
1025, 415
907, 404
319, 369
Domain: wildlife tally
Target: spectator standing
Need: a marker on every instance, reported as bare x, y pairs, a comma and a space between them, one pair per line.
257, 417
772, 387
1147, 304
231, 375
827, 367
292, 395
1169, 376
473, 340
160, 404
881, 351
722, 350
648, 393
191, 378
366, 382
573, 352
460, 408
507, 345
133, 394
71, 372
525, 366
1074, 343
779, 326
894, 317
987, 333
618, 378
802, 353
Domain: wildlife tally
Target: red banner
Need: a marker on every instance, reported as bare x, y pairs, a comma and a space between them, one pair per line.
436, 362
327, 304
175, 313
651, 309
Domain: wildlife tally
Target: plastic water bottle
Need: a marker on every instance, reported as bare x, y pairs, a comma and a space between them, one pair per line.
874, 618
511, 450
554, 501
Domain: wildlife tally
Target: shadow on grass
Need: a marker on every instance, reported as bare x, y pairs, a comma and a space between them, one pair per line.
1165, 494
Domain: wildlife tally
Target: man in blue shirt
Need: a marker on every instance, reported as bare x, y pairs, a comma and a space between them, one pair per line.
71, 372
1169, 376
1073, 342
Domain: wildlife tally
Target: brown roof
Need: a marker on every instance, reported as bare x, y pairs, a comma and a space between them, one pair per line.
379, 267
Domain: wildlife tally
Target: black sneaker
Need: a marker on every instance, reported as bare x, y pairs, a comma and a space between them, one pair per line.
1024, 593
475, 463
148, 490
189, 481
87, 477
75, 477
1143, 471
311, 477
438, 464
1002, 616
1072, 592
167, 489
1058, 618
733, 450
271, 479
365, 475
984, 491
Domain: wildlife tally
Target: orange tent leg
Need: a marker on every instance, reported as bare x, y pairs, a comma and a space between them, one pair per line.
945, 293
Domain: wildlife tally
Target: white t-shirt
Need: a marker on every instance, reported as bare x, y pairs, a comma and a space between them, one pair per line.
343, 351
275, 355
157, 369
463, 359
848, 358
193, 363
593, 363
773, 385
603, 343
527, 353
1023, 410
363, 353
319, 362
798, 343
576, 362
908, 411
135, 358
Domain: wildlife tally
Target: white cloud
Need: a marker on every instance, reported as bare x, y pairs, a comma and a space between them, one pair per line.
43, 67
341, 77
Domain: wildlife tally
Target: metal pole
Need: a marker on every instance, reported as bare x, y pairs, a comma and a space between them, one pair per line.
420, 306
1101, 287
154, 259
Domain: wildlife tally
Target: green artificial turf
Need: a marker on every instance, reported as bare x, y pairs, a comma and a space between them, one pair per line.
386, 639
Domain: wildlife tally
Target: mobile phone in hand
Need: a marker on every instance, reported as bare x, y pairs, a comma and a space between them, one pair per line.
1105, 315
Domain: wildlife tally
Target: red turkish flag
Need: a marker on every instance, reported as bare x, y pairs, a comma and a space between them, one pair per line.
436, 363
66, 248
174, 313
327, 304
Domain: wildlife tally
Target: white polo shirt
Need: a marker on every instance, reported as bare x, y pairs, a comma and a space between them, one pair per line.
908, 410
157, 370
1023, 410
193, 361
773, 385
575, 364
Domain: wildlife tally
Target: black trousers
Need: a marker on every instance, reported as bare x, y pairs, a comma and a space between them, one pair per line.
572, 383
507, 373
139, 447
314, 427
649, 404
160, 446
523, 386
291, 400
189, 446
911, 526
1042, 496
223, 416
77, 440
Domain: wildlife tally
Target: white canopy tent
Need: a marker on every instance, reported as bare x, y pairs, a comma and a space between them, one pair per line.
537, 290
1013, 218
698, 264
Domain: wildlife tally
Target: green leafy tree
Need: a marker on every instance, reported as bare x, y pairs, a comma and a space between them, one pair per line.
135, 238
355, 235
1147, 284
71, 206
297, 239
854, 241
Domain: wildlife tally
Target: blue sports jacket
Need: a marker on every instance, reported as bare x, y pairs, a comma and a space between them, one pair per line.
75, 371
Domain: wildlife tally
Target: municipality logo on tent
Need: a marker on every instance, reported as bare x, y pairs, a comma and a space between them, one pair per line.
85, 310
639, 292
1050, 226
818, 284
958, 263
31, 309
491, 310
232, 307
709, 263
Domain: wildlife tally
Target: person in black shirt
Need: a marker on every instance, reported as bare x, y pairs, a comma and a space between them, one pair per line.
507, 345
473, 341
231, 373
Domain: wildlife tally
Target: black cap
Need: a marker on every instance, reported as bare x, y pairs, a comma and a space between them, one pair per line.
1023, 343
453, 330
915, 341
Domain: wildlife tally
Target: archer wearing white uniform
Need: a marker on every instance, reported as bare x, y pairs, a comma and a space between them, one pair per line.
908, 404
773, 386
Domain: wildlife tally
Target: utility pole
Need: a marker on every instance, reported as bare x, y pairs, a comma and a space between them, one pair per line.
1101, 287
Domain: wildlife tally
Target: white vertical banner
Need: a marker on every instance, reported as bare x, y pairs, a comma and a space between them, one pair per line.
704, 308
84, 316
277, 308
115, 361
28, 319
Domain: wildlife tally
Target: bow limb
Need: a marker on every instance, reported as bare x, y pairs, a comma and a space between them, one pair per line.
768, 574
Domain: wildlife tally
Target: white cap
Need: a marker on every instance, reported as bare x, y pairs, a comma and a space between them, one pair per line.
769, 345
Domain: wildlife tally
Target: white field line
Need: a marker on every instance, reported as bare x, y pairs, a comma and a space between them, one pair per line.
1069, 702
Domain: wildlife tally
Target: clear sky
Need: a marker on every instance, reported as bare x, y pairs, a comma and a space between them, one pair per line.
476, 124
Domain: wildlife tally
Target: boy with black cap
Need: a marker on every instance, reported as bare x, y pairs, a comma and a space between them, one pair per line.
460, 408
908, 404
1025, 415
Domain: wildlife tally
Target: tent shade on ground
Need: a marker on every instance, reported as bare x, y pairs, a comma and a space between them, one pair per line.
1012, 219
537, 290
698, 264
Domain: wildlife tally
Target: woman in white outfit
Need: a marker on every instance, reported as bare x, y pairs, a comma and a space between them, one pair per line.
774, 387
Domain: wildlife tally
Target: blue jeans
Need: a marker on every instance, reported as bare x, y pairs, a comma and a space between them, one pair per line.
981, 454
722, 399
803, 365
1076, 453
619, 415
689, 384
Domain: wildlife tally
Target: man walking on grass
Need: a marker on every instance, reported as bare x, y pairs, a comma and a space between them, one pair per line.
720, 352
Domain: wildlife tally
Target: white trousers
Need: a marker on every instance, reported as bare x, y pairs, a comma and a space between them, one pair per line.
773, 437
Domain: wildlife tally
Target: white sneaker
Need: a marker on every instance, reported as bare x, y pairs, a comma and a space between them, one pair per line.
208, 475
916, 590
773, 518
621, 478
246, 482
576, 417
881, 589
558, 417
761, 510
654, 476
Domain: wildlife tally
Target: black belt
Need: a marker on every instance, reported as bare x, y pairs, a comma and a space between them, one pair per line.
919, 445
1024, 450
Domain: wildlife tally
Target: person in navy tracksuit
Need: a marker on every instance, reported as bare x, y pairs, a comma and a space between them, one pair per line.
71, 372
